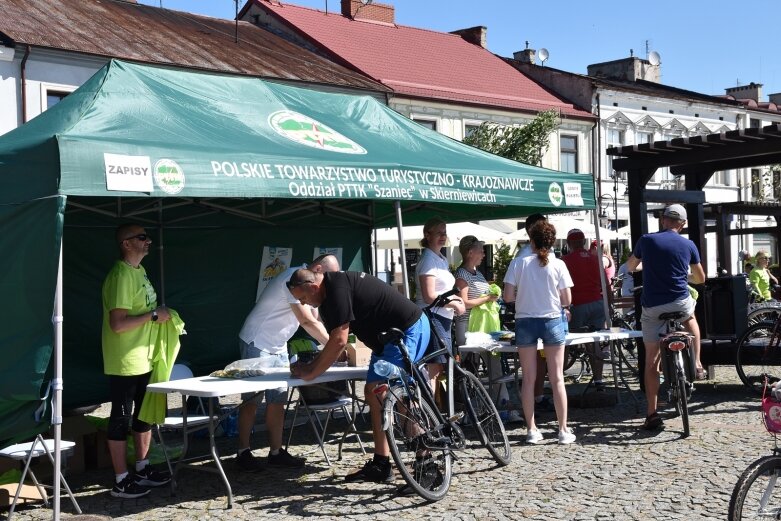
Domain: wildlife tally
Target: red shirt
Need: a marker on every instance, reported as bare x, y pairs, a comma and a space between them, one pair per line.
584, 269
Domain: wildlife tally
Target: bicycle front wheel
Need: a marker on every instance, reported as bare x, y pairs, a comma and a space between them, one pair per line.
756, 358
485, 418
627, 348
756, 494
416, 438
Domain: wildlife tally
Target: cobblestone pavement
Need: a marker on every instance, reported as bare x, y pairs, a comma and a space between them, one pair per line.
613, 471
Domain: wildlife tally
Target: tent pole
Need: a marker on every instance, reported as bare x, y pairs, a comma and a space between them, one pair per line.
160, 250
57, 390
602, 275
400, 227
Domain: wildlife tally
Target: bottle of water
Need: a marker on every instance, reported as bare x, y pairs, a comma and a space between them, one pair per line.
387, 370
564, 320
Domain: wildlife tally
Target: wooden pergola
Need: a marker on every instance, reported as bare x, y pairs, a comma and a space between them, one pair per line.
695, 160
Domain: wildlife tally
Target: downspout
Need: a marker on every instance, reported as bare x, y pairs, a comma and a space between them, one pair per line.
598, 156
23, 79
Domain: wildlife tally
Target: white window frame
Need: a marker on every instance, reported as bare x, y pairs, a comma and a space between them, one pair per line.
569, 151
50, 88
419, 119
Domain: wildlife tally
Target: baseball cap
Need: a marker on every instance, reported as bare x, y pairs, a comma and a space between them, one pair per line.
675, 211
575, 234
467, 243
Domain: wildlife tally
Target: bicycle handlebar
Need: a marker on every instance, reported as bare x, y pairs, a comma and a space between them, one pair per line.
442, 299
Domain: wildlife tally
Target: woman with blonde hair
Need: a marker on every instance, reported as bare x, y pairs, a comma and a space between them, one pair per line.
540, 285
761, 277
434, 278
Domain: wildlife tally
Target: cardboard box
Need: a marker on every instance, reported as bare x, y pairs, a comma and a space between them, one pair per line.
29, 493
358, 354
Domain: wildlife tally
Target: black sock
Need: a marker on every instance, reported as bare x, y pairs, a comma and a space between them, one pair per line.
381, 460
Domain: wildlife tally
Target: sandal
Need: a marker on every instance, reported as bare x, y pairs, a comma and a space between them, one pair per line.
702, 374
652, 422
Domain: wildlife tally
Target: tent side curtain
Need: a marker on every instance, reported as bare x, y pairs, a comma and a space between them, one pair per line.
162, 132
31, 241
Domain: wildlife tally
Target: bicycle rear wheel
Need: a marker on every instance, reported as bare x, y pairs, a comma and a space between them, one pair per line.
485, 418
756, 494
418, 446
764, 314
755, 358
682, 401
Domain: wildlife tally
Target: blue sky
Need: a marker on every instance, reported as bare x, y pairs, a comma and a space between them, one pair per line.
705, 46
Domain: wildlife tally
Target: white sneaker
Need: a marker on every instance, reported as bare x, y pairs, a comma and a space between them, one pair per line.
565, 437
533, 436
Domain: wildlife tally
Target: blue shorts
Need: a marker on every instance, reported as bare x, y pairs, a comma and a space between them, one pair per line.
529, 330
278, 395
416, 338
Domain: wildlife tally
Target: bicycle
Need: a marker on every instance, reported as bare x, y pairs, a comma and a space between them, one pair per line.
626, 348
758, 354
677, 365
755, 494
422, 439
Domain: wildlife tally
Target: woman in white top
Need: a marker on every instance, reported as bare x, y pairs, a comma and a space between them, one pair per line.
434, 278
540, 286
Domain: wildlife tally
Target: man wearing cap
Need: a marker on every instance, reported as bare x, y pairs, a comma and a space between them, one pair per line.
666, 258
587, 307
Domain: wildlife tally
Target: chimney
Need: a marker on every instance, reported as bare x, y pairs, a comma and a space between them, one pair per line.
751, 91
368, 10
474, 35
526, 56
775, 98
626, 69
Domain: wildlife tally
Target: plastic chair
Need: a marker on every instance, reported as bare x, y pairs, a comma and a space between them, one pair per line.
176, 423
26, 452
320, 427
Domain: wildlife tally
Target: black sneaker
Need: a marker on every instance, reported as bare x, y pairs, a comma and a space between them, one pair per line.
128, 488
372, 471
148, 477
247, 462
284, 459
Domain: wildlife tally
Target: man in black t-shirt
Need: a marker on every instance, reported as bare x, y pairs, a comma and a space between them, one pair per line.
362, 303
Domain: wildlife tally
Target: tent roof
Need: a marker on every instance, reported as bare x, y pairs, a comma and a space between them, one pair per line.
152, 132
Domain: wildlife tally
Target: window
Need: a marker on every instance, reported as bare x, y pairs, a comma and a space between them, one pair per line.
756, 183
615, 138
54, 97
470, 129
644, 137
776, 184
569, 154
755, 123
720, 178
428, 123
53, 93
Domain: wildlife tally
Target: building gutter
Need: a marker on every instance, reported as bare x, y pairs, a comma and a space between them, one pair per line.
23, 79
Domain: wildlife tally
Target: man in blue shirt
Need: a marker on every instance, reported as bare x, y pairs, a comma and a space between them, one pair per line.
666, 260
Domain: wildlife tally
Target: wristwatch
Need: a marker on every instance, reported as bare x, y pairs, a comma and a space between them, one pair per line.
154, 315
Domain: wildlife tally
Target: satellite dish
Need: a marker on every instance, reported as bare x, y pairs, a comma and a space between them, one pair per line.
544, 54
654, 58
366, 2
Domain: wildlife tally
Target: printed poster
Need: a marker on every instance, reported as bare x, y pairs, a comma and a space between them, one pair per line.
337, 252
275, 260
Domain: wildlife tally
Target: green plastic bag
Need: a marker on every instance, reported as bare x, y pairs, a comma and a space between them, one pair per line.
485, 317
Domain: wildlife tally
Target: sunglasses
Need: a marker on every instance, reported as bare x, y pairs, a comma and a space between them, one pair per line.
291, 285
143, 237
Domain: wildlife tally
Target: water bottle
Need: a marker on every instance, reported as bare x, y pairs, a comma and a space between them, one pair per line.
387, 370
564, 321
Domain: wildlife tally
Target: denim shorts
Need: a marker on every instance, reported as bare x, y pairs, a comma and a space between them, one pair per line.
416, 338
529, 330
278, 395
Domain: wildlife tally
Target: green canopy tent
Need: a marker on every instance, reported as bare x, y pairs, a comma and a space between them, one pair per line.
221, 165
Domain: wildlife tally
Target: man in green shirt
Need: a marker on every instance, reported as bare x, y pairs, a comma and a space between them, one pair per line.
130, 311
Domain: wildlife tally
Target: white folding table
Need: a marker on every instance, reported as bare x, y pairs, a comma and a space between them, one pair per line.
607, 335
213, 387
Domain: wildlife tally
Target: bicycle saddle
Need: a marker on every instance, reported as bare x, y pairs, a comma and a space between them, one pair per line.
673, 315
393, 335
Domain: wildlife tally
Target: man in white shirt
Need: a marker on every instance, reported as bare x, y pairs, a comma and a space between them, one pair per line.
271, 323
